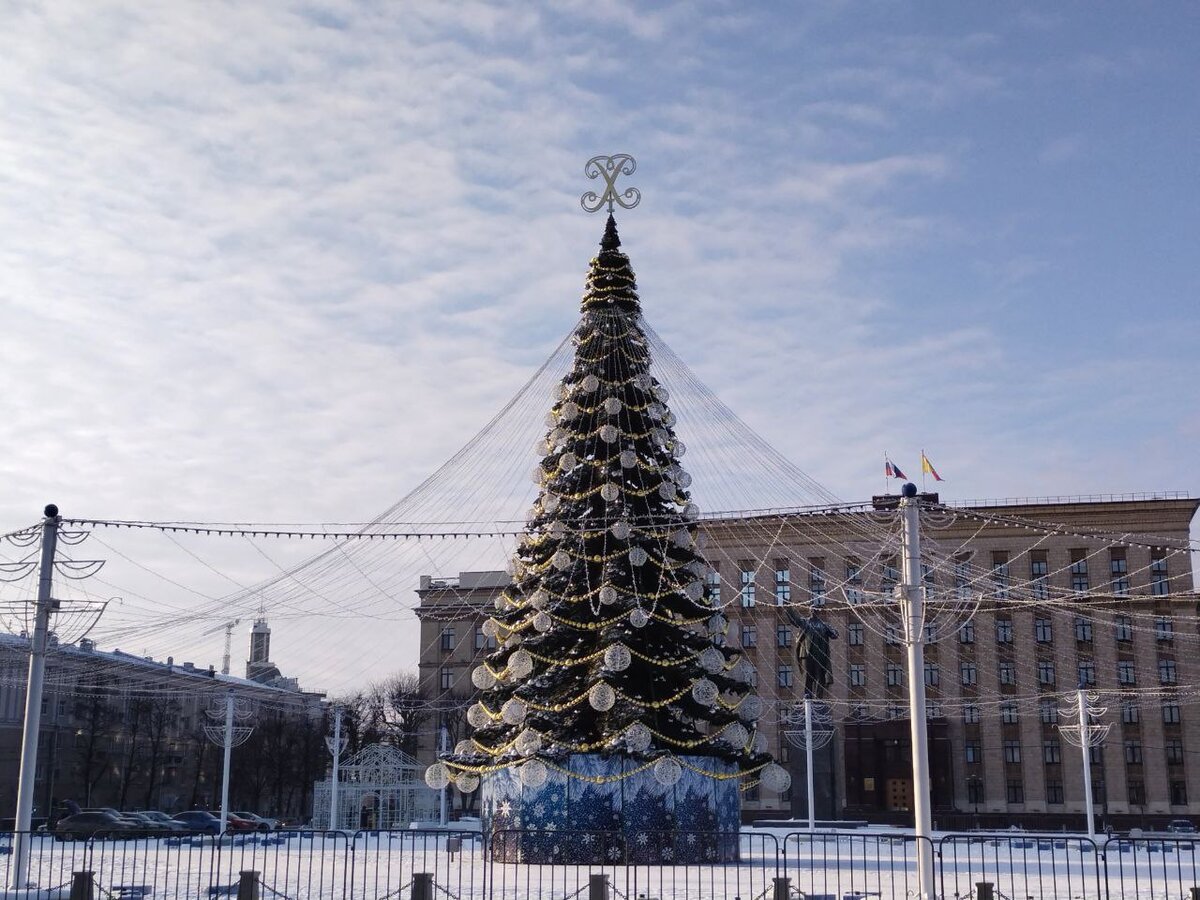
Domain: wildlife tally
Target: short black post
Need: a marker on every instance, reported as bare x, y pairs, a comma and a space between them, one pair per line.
248, 886
598, 887
783, 889
985, 890
83, 886
422, 886
1194, 893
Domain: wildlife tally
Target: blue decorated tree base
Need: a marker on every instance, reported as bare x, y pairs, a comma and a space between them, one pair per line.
601, 813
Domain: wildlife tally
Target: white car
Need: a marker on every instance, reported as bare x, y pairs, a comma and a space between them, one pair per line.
263, 823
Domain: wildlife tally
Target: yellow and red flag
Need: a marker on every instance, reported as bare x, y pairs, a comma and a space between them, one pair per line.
927, 467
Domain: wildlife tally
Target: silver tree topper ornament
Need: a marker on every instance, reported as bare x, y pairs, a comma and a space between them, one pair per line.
609, 168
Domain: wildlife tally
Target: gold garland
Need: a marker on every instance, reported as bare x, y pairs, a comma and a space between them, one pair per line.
563, 707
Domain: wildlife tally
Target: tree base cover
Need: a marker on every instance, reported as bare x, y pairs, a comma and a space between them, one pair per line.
606, 811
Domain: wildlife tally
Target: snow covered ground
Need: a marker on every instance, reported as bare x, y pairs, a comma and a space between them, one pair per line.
857, 864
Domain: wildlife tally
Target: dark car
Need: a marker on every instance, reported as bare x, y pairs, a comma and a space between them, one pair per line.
163, 822
1181, 826
199, 821
93, 824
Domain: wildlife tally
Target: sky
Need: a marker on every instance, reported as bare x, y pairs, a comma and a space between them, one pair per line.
277, 262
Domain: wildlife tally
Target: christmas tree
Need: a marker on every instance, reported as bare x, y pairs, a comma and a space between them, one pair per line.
608, 641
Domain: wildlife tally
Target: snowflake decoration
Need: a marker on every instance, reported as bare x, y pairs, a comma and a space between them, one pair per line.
643, 839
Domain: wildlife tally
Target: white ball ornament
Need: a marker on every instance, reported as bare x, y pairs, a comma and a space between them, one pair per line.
666, 490
520, 664
750, 708
561, 560
621, 530
656, 411
608, 594
513, 711
638, 556
437, 776
490, 628
683, 479
609, 434
668, 418
637, 737
528, 742
462, 748
628, 459
601, 697
610, 491
662, 393
590, 383
775, 777
642, 382
694, 591
717, 624
617, 658
467, 782
682, 538
691, 512
737, 735
612, 406
760, 742
659, 436
557, 529
482, 678
704, 691
550, 502
638, 618
538, 476
532, 773
500, 602
567, 461
712, 660
477, 716
568, 411
542, 622
667, 771
539, 599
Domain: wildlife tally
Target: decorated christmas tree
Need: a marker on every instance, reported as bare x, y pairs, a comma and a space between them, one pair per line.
611, 660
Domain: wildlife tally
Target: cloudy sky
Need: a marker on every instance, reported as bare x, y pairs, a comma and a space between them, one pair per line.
276, 262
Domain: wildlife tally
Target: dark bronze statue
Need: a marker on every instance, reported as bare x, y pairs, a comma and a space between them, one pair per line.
812, 652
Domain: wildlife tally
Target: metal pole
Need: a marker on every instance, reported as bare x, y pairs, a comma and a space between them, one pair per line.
1085, 749
337, 758
808, 762
228, 759
912, 606
445, 742
27, 779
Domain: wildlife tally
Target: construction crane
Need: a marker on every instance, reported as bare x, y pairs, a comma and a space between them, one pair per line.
228, 628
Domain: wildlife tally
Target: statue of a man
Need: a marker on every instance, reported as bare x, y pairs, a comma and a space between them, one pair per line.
812, 652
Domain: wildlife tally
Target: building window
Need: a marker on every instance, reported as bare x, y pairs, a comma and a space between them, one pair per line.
751, 793
1174, 748
1179, 793
1096, 757
1125, 672
1159, 581
784, 675
930, 633
895, 675
482, 641
890, 574
962, 576
1004, 631
713, 579
974, 751
1045, 672
816, 581
1048, 711
1083, 630
447, 641
854, 634
1015, 791
854, 592
783, 584
1039, 575
1079, 571
1129, 712
1118, 569
1166, 671
968, 673
1133, 753
975, 791
971, 714
1170, 713
1008, 713
1087, 672
748, 586
932, 674
1000, 574
858, 675
1051, 751
783, 636
1008, 673
445, 678
891, 635
1137, 792
1043, 631
749, 636
933, 710
1164, 628
1054, 792
1124, 628
966, 633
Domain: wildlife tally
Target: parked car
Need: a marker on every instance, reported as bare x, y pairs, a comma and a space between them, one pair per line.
135, 822
162, 820
261, 823
94, 824
200, 821
1181, 826
234, 822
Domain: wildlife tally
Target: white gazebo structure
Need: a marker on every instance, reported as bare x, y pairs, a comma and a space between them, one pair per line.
378, 788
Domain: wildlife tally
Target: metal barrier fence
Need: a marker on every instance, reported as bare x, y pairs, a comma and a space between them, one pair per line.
758, 865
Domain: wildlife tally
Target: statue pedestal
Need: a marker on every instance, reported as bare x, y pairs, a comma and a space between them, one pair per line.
594, 816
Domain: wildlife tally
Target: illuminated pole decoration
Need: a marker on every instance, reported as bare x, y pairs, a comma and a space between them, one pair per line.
1085, 735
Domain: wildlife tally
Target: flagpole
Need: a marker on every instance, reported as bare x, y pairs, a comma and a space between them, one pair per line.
922, 470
